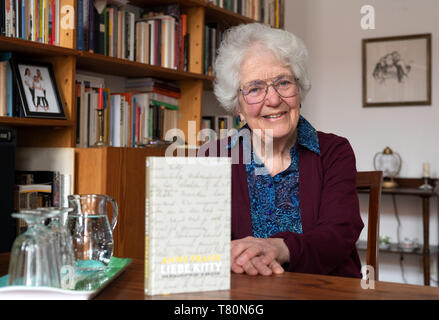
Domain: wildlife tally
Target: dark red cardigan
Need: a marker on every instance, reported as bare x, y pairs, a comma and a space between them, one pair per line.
331, 220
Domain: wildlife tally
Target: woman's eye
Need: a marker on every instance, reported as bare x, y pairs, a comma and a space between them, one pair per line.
284, 83
254, 90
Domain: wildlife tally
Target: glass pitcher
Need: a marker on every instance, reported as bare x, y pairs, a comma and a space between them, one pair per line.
92, 234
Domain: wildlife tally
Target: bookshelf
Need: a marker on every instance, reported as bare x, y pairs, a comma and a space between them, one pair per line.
118, 172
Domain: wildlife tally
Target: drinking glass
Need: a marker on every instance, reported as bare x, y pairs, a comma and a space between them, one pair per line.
63, 237
34, 253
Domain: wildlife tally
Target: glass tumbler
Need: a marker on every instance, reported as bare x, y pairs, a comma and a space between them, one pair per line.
34, 254
63, 237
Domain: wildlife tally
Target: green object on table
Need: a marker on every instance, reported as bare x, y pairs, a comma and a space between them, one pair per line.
90, 280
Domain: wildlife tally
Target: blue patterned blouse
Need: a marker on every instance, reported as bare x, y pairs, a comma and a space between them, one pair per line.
274, 201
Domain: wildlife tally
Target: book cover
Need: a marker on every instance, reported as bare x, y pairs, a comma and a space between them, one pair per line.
188, 207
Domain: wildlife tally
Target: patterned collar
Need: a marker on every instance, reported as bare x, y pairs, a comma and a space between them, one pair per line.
306, 136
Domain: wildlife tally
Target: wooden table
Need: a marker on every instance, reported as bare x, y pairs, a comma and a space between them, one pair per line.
288, 286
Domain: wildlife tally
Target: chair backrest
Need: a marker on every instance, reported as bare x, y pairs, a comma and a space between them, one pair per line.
372, 180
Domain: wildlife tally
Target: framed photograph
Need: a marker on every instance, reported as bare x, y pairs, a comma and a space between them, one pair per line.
38, 93
397, 71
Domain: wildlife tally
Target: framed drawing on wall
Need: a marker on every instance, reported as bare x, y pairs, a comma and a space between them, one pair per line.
37, 90
397, 71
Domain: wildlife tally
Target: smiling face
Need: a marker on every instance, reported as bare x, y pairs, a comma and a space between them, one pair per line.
276, 113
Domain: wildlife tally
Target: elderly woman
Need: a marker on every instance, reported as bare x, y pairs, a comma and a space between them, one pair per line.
294, 202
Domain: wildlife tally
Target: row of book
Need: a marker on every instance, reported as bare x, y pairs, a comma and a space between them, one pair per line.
36, 189
212, 39
157, 37
38, 20
265, 11
143, 113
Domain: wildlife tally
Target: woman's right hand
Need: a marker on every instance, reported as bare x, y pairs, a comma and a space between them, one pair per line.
258, 256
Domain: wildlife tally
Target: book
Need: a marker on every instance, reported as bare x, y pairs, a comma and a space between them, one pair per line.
47, 188
142, 121
188, 224
6, 85
115, 101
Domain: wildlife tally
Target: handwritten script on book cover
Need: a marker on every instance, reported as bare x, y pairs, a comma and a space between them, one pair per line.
188, 207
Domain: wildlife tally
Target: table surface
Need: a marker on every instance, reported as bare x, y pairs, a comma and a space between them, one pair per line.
287, 286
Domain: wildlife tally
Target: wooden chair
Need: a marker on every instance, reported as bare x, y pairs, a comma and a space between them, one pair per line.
372, 180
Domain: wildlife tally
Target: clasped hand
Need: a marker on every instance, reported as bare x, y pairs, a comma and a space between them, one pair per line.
258, 256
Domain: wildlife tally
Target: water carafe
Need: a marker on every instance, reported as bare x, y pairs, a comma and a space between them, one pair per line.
91, 230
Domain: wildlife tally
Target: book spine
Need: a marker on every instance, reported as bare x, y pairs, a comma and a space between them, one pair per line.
110, 32
8, 18
80, 26
57, 22
2, 18
101, 32
91, 30
23, 19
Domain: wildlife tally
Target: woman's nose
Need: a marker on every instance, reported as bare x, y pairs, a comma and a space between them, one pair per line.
272, 98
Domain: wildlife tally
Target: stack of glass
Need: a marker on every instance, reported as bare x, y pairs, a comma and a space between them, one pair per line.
43, 255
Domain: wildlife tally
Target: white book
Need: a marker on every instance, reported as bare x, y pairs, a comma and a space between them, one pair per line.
132, 33
168, 40
57, 24
151, 44
115, 120
65, 190
142, 99
34, 188
188, 224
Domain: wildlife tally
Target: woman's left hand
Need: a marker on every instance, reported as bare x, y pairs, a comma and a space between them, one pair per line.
258, 256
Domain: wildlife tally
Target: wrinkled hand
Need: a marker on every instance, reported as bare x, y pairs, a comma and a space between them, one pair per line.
258, 256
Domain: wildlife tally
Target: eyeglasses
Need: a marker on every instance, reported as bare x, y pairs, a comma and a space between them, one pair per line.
256, 91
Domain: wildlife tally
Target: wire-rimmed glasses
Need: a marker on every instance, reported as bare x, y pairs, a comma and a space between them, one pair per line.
255, 91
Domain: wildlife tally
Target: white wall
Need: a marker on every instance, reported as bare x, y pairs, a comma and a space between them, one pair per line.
331, 30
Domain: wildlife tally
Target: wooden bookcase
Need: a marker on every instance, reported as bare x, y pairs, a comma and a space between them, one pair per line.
118, 172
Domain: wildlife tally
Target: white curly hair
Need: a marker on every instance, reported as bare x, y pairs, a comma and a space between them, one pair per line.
286, 47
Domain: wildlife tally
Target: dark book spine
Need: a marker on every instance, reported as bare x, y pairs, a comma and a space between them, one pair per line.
158, 46
80, 25
101, 32
2, 19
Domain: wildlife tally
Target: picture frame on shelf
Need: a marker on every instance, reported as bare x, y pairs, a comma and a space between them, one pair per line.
397, 71
38, 94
